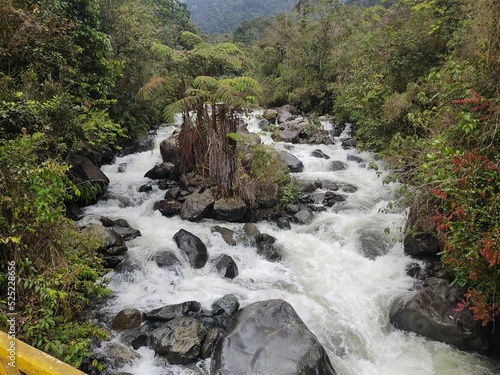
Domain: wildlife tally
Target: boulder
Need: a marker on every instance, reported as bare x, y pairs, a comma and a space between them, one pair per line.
116, 355
168, 208
226, 266
140, 145
122, 227
304, 216
266, 248
269, 337
294, 164
338, 165
230, 209
421, 245
431, 313
193, 247
227, 234
169, 149
331, 198
197, 205
112, 242
209, 342
226, 305
169, 312
289, 136
82, 170
162, 171
349, 143
319, 154
355, 158
250, 234
127, 319
179, 340
166, 259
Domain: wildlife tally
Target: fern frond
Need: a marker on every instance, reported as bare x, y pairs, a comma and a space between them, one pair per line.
206, 83
162, 50
190, 39
147, 91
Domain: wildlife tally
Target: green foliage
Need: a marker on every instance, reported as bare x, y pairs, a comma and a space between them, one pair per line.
57, 269
468, 194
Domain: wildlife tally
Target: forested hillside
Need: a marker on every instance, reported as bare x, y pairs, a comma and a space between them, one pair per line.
419, 79
421, 82
224, 16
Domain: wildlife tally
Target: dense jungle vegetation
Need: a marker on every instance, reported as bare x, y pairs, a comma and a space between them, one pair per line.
420, 79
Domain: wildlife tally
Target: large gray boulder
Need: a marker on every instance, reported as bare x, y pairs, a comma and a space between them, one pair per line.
197, 205
421, 245
266, 338
82, 171
230, 209
294, 164
169, 149
431, 313
193, 247
179, 340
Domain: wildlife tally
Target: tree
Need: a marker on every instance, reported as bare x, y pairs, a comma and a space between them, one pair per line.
210, 112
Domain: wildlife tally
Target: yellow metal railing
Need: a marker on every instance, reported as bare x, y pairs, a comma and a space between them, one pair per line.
16, 356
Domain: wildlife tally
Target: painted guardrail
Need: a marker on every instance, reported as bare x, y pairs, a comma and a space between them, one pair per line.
16, 356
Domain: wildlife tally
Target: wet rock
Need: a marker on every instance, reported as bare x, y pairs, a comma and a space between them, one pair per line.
166, 184
304, 216
108, 237
117, 355
269, 337
145, 188
226, 266
338, 165
289, 135
232, 210
250, 234
172, 193
193, 247
283, 223
126, 266
197, 205
161, 171
227, 234
319, 154
127, 319
169, 312
226, 305
348, 188
168, 208
122, 167
331, 198
270, 115
267, 249
82, 170
179, 340
262, 123
169, 149
308, 187
122, 227
140, 145
167, 259
349, 143
423, 244
293, 164
374, 243
430, 313
292, 209
209, 342
355, 158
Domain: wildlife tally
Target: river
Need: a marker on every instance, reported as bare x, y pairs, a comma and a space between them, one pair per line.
328, 273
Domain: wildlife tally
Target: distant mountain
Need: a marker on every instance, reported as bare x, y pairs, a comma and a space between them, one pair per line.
224, 16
